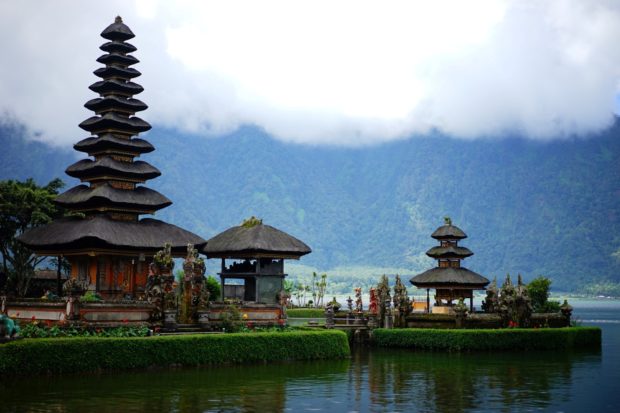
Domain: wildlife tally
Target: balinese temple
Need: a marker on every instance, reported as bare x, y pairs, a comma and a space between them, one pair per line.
105, 240
449, 279
253, 254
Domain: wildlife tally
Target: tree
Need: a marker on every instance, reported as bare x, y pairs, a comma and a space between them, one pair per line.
24, 205
538, 290
214, 288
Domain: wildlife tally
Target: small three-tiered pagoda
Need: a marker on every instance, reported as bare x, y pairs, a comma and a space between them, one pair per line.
450, 280
106, 242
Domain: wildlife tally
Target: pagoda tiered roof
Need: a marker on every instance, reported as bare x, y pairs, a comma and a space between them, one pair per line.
130, 105
448, 231
100, 233
117, 47
449, 252
110, 143
111, 122
450, 277
110, 168
449, 274
117, 87
105, 197
112, 202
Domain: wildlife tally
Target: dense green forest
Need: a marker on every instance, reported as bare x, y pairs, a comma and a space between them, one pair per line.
529, 207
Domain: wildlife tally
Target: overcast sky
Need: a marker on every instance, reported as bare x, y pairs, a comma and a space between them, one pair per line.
323, 72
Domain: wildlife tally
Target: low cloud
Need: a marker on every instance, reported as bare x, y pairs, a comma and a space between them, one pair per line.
324, 72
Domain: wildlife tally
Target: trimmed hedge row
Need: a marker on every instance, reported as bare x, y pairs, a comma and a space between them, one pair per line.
503, 339
59, 355
306, 313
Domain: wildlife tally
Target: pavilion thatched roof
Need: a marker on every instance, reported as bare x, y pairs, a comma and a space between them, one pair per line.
254, 241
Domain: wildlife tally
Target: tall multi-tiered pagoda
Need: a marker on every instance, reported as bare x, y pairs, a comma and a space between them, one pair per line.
450, 280
106, 242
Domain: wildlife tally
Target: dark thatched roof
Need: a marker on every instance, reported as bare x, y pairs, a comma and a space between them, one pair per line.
116, 86
117, 31
449, 252
120, 72
449, 277
118, 59
109, 142
111, 120
448, 232
83, 197
115, 102
118, 47
255, 241
107, 166
73, 234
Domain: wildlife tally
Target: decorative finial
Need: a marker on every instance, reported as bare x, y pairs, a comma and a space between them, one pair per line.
251, 222
447, 220
118, 19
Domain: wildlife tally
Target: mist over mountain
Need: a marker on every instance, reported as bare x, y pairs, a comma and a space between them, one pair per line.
549, 208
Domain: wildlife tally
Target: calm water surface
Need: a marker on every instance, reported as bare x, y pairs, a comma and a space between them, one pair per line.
376, 381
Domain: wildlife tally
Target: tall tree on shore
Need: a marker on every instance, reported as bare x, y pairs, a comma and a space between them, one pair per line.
23, 205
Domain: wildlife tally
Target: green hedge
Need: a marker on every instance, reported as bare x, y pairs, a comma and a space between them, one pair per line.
306, 313
58, 355
503, 339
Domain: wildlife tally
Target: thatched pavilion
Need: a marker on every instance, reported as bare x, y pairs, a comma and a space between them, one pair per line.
450, 280
257, 252
107, 243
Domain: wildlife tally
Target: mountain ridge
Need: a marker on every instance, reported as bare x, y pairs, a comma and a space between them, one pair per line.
528, 207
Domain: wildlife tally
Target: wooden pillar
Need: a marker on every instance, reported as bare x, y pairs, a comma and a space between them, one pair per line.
58, 283
256, 281
222, 277
428, 300
471, 303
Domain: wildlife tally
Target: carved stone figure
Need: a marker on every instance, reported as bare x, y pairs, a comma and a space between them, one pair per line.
8, 328
491, 302
383, 298
359, 306
373, 307
402, 305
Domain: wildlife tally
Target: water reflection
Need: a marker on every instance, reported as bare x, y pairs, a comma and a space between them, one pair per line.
463, 382
378, 380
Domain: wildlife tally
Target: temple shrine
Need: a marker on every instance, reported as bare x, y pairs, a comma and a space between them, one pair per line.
255, 254
450, 280
107, 243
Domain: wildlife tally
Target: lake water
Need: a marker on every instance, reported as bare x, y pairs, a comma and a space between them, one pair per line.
373, 381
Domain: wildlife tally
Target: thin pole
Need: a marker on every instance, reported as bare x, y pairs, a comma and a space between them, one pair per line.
58, 284
222, 277
428, 300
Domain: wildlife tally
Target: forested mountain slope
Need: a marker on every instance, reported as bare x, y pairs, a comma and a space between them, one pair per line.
535, 208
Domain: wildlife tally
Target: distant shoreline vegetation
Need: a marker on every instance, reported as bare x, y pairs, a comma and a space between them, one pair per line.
342, 281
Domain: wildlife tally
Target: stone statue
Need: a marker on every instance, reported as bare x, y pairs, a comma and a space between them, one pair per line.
359, 306
383, 297
8, 328
514, 303
401, 301
491, 302
350, 304
523, 304
372, 308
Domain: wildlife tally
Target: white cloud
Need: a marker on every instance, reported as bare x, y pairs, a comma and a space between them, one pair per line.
347, 72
